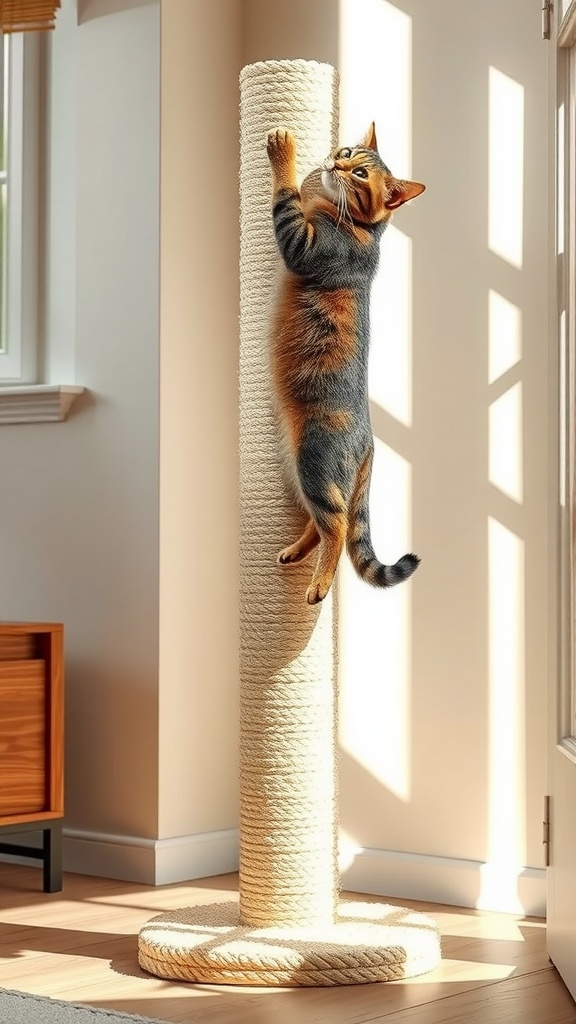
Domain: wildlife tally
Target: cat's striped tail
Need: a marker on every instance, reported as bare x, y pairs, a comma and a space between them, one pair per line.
359, 543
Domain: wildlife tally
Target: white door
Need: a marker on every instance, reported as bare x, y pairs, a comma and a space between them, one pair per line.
562, 871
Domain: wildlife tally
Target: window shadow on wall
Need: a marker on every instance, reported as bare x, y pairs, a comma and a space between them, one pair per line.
443, 682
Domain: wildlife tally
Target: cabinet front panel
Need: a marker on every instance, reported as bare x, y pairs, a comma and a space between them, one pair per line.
22, 737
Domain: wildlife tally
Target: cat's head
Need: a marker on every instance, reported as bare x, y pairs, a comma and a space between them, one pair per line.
357, 181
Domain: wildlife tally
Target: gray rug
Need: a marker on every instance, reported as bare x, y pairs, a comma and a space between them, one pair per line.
23, 1008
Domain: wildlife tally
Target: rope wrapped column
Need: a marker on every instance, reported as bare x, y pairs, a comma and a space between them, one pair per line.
287, 928
288, 869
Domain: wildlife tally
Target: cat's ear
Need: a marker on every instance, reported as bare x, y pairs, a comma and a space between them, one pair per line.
400, 192
369, 140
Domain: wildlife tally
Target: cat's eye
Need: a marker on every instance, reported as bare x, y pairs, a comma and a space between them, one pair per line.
360, 172
346, 153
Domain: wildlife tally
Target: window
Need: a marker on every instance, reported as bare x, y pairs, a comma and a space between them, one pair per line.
19, 208
25, 101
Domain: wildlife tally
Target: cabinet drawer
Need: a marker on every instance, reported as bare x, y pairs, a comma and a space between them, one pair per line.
23, 736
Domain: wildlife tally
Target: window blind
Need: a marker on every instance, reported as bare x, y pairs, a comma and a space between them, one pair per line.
28, 15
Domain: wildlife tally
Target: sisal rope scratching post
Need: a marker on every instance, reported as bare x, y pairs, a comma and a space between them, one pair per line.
287, 928
288, 865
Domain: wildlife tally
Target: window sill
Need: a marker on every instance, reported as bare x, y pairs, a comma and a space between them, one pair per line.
37, 403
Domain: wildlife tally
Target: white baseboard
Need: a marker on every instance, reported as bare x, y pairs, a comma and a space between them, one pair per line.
453, 881
456, 882
150, 861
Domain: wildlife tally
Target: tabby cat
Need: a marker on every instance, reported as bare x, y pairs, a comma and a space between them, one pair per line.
320, 338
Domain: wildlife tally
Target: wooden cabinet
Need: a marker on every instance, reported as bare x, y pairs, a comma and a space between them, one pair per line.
32, 741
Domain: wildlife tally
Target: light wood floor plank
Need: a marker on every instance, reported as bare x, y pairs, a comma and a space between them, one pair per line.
531, 999
80, 945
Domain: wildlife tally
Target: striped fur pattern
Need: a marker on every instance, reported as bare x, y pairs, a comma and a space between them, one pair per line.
330, 247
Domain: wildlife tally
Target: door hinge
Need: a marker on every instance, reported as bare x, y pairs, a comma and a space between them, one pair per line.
546, 831
547, 8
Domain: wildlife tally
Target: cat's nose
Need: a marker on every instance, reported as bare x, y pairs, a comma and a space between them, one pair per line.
329, 164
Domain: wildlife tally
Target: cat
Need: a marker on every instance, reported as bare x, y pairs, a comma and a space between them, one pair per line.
330, 246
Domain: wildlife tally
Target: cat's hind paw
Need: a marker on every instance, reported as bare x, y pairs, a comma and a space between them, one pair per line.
300, 550
288, 556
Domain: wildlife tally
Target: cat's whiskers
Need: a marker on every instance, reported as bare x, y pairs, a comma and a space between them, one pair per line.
343, 187
342, 207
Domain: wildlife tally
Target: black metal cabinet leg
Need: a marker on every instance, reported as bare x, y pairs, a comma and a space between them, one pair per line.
52, 861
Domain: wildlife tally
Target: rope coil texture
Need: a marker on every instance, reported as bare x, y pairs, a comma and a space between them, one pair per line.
288, 866
369, 942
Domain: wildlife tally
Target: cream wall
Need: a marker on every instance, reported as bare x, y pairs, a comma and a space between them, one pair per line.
111, 709
198, 687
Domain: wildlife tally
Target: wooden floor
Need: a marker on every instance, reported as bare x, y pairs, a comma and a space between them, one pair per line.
80, 945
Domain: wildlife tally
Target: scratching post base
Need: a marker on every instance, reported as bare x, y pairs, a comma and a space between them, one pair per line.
369, 942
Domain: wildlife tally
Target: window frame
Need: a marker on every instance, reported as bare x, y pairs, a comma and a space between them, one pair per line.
19, 339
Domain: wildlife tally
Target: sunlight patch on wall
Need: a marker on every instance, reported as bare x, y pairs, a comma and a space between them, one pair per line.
374, 639
376, 78
504, 335
505, 443
390, 372
348, 850
499, 888
376, 85
506, 721
505, 167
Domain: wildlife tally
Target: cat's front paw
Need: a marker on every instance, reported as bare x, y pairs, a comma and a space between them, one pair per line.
317, 592
281, 148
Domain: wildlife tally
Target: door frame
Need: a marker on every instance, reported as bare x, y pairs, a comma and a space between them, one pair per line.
561, 932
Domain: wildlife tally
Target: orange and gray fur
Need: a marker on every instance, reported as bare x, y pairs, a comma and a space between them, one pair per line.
330, 247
